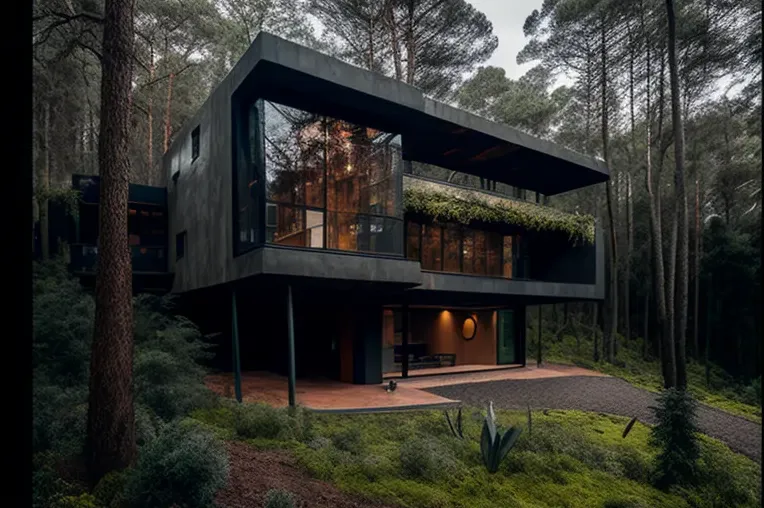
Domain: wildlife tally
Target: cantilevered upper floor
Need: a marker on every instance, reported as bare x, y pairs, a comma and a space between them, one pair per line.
294, 167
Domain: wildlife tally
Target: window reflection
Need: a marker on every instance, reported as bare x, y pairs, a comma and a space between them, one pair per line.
331, 183
458, 249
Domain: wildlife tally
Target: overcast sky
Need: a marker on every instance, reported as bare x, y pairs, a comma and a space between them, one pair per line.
508, 17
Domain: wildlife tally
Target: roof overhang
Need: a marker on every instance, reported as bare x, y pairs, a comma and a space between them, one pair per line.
432, 132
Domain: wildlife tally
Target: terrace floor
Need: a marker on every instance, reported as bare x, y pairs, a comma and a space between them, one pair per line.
325, 395
456, 369
333, 396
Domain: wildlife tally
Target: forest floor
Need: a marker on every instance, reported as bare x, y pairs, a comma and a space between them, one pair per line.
609, 395
722, 392
411, 459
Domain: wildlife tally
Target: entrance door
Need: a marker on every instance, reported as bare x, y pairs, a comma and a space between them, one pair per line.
505, 342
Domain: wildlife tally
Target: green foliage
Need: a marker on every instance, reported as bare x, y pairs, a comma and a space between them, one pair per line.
428, 459
494, 446
168, 348
110, 490
277, 498
675, 436
185, 465
447, 204
261, 421
348, 440
83, 500
47, 485
574, 458
62, 322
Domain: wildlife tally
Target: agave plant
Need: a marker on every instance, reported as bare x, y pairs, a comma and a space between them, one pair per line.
494, 445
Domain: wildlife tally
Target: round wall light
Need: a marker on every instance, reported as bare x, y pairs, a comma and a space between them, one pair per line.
469, 328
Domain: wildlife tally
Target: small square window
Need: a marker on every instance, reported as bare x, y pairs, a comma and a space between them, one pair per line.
180, 245
195, 144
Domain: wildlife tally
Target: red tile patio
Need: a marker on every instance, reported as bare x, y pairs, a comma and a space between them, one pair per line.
327, 395
324, 395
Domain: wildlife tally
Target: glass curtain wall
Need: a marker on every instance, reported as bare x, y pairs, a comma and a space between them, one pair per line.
458, 249
330, 184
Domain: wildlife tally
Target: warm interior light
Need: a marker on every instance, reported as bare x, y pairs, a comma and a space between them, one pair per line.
469, 328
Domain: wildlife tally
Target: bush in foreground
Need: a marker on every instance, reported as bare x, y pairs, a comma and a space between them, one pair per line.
183, 466
428, 459
277, 498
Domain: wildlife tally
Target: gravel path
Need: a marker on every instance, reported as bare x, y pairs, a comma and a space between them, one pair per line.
605, 395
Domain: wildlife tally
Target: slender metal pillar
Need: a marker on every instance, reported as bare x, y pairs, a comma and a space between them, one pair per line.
538, 352
290, 328
405, 340
235, 348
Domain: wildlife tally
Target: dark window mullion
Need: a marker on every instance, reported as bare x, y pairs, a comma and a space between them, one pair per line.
442, 247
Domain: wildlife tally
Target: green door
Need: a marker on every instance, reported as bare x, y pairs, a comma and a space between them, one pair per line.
505, 342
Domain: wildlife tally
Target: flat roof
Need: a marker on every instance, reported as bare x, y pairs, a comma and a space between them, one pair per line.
431, 131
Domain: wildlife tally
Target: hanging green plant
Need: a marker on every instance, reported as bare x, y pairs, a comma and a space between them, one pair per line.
452, 204
66, 196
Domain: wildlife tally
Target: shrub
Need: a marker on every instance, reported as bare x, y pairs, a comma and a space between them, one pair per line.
184, 465
62, 321
428, 459
726, 479
319, 443
110, 490
47, 485
676, 439
58, 417
261, 421
168, 378
624, 503
277, 498
348, 440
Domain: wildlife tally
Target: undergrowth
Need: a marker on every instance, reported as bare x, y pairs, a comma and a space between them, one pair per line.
571, 459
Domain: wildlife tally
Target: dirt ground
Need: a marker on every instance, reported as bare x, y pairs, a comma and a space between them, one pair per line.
253, 472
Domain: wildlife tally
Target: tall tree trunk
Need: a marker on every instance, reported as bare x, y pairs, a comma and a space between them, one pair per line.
595, 349
394, 41
646, 327
629, 247
609, 336
167, 114
681, 204
110, 441
44, 183
696, 281
665, 349
150, 120
410, 45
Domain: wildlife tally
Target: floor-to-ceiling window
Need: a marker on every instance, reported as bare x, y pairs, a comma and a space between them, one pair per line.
330, 184
460, 249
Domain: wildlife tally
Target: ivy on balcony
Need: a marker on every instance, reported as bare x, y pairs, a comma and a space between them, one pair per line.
446, 203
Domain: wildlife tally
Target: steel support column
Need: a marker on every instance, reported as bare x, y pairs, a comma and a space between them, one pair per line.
290, 328
235, 348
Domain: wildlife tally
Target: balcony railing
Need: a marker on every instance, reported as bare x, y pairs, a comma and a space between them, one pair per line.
146, 259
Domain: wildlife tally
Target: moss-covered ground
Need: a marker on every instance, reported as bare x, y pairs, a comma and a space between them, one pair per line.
568, 458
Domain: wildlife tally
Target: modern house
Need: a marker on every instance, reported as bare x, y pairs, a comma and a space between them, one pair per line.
297, 192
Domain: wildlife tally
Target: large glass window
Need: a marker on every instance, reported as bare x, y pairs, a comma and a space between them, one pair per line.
248, 121
330, 184
453, 248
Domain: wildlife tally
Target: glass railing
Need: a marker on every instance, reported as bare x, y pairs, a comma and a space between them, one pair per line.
298, 226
